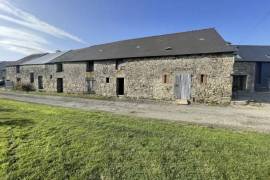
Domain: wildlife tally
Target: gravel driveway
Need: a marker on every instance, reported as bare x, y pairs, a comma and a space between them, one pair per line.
236, 117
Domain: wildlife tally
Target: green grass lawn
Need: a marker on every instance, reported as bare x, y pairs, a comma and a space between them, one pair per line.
43, 142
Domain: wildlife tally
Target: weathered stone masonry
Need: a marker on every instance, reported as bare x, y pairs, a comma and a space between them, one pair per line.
74, 84
144, 77
24, 75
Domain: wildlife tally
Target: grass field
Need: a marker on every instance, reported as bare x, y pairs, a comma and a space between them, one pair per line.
43, 142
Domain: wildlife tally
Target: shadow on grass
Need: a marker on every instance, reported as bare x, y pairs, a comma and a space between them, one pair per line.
6, 110
15, 122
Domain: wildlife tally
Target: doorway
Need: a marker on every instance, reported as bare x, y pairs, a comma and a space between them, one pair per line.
60, 88
120, 86
90, 84
239, 83
182, 86
40, 82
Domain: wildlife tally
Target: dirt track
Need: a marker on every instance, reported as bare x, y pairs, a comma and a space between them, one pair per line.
237, 117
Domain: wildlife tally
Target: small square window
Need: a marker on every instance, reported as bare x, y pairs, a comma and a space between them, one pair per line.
51, 76
107, 80
18, 80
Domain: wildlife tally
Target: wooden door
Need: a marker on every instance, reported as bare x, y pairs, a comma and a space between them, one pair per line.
60, 85
40, 82
182, 88
90, 83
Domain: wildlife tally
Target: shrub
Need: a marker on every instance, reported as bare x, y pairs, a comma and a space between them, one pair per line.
27, 87
18, 87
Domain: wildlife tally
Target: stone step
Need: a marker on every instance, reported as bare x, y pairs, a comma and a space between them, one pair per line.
247, 102
182, 102
243, 102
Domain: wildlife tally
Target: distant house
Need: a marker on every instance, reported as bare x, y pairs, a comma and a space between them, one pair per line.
2, 70
3, 75
196, 66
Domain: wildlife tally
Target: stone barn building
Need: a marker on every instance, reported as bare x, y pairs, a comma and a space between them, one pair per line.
196, 66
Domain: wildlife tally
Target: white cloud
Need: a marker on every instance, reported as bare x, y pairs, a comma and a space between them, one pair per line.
30, 21
22, 41
22, 47
7, 32
19, 49
24, 44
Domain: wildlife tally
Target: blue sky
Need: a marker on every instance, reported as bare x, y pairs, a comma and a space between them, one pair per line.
32, 26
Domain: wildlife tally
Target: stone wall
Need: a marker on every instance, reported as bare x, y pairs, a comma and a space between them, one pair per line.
248, 69
11, 74
73, 76
24, 75
144, 77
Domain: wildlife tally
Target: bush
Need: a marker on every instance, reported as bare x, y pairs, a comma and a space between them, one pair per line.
18, 87
27, 87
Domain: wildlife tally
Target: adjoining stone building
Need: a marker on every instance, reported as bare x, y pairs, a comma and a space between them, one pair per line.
196, 66
33, 70
251, 76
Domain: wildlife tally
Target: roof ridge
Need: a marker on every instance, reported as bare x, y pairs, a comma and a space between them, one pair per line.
49, 56
156, 36
253, 45
146, 37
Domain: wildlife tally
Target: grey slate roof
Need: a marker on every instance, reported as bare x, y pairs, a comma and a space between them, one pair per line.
43, 59
26, 59
4, 64
253, 53
186, 43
